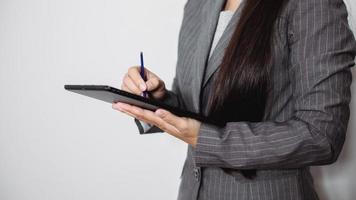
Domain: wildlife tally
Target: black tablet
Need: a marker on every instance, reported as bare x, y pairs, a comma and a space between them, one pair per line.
113, 95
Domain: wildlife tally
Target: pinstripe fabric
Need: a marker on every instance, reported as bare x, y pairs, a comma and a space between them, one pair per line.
307, 109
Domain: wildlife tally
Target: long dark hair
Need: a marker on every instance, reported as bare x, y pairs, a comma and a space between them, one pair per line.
240, 88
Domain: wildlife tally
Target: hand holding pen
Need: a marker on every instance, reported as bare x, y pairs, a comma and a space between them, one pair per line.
184, 128
138, 81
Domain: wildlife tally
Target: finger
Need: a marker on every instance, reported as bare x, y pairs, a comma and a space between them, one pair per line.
122, 107
134, 74
119, 106
130, 84
150, 74
130, 114
151, 117
125, 88
127, 109
164, 126
153, 84
143, 114
171, 119
135, 111
116, 107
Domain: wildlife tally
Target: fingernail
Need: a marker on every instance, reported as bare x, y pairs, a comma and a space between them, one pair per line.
143, 86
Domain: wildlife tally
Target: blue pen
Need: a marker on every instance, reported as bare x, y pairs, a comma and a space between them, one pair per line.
142, 72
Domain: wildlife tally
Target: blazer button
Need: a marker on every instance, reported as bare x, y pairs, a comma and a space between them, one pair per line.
197, 174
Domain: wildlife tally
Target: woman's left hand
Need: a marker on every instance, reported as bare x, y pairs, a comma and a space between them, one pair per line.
183, 128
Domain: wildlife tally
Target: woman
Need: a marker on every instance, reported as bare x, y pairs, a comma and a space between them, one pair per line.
276, 79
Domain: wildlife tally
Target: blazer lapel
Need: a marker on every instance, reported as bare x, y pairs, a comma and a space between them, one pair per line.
218, 53
210, 16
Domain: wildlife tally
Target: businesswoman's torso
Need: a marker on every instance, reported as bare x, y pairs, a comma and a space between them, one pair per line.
198, 64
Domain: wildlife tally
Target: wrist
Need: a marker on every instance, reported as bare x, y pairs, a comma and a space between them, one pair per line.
195, 134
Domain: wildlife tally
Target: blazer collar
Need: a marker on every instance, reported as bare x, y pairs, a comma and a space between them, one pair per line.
218, 53
211, 13
209, 19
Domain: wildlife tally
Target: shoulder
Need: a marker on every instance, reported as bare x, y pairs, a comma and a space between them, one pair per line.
194, 6
193, 10
316, 18
194, 3
318, 8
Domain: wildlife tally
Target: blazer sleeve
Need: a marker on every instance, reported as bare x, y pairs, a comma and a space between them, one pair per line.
322, 51
172, 98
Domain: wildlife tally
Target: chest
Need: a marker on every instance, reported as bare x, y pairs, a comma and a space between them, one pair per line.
195, 72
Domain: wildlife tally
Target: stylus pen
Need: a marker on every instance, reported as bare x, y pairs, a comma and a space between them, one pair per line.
142, 71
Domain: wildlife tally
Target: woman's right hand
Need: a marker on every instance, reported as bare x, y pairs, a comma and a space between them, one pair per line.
133, 83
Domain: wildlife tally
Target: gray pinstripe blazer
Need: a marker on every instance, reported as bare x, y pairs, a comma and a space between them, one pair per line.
307, 109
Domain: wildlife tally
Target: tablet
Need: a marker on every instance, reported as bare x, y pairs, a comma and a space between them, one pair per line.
112, 95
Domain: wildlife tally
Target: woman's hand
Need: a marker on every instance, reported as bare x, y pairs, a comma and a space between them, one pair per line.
134, 83
183, 128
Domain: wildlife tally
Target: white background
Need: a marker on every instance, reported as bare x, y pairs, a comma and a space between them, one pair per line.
59, 145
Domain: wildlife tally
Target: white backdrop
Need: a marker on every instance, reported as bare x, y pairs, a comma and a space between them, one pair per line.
59, 145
